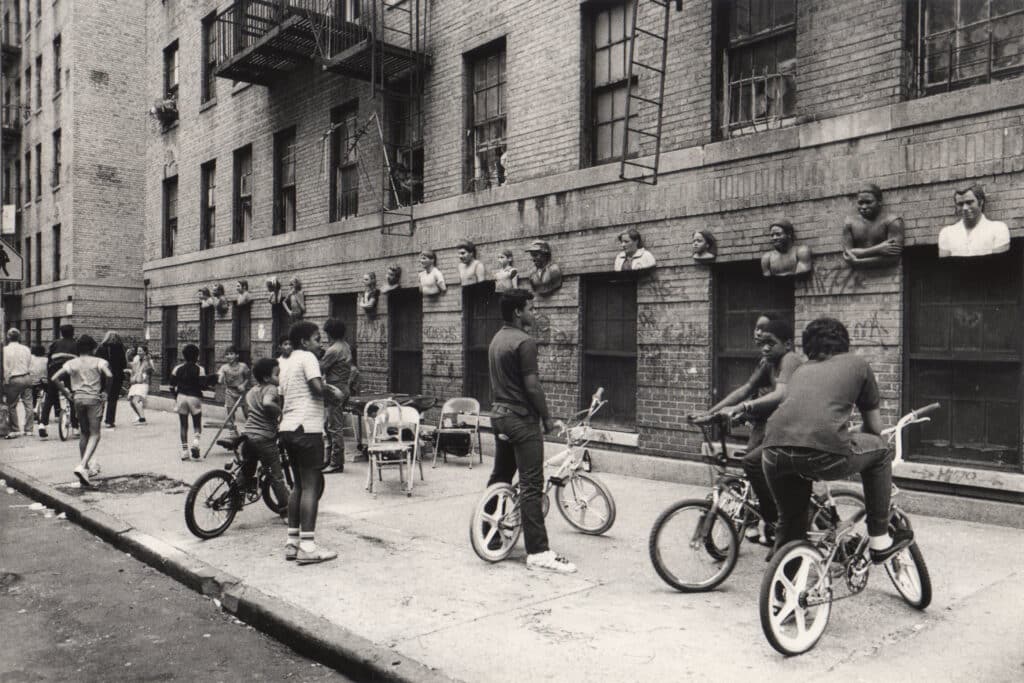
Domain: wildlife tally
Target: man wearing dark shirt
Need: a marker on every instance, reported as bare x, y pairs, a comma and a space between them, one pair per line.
807, 438
519, 408
61, 351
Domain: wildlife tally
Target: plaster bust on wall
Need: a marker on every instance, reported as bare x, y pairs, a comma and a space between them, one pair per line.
394, 279
219, 299
973, 234
506, 277
205, 297
274, 288
242, 296
370, 295
633, 255
705, 247
546, 278
471, 270
431, 278
873, 238
295, 303
786, 258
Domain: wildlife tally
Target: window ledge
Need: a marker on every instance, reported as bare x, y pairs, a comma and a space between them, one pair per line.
207, 104
754, 128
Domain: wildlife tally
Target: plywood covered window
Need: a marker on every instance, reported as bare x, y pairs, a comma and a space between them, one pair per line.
405, 314
481, 319
609, 347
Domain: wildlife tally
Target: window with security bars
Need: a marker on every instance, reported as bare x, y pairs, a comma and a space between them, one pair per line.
39, 172
481, 320
207, 348
405, 318
343, 307
742, 295
209, 82
241, 332
208, 205
759, 52
170, 216
284, 181
958, 43
488, 117
55, 177
963, 350
242, 226
609, 30
344, 161
169, 339
609, 347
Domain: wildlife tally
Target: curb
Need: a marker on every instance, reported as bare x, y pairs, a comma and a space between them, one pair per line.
306, 633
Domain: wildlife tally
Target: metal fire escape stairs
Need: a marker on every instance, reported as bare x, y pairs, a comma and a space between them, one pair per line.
645, 98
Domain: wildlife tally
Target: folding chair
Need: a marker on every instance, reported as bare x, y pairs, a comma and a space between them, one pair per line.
394, 442
454, 434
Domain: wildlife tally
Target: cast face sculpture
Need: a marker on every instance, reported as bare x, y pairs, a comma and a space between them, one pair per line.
466, 256
969, 208
369, 280
504, 260
394, 275
539, 258
868, 205
628, 244
241, 287
700, 245
426, 262
295, 284
779, 238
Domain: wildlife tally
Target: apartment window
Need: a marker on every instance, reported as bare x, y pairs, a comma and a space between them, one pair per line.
207, 349
405, 148
17, 182
28, 176
55, 323
209, 87
241, 332
963, 350
284, 181
487, 107
350, 9
609, 347
759, 50
39, 258
481, 319
169, 339
39, 82
28, 16
56, 253
28, 261
39, 172
742, 294
17, 100
208, 207
56, 64
959, 43
171, 70
609, 29
343, 307
405, 318
344, 161
242, 228
55, 178
170, 216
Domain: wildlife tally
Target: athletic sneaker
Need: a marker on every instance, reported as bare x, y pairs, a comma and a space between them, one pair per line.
94, 470
106, 426
550, 561
314, 556
184, 452
142, 420
42, 434
83, 476
195, 453
291, 551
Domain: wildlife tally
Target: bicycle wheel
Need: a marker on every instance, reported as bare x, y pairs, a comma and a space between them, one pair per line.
269, 497
681, 545
846, 506
586, 503
64, 421
211, 504
493, 534
908, 572
791, 625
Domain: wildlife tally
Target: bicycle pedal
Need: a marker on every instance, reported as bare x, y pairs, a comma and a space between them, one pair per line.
557, 481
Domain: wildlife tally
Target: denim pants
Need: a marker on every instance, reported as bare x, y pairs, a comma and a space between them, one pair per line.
522, 449
755, 474
52, 401
266, 451
336, 428
790, 472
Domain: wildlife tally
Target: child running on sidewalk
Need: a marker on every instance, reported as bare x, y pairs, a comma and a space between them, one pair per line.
234, 375
139, 373
263, 403
187, 382
87, 373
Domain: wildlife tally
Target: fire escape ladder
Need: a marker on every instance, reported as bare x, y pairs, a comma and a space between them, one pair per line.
645, 98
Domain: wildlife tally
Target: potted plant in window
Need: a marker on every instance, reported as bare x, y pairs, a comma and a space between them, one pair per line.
165, 110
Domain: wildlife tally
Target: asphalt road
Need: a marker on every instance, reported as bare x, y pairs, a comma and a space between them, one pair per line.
72, 608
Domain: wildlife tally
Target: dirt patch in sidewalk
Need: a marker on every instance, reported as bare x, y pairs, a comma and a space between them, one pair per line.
130, 484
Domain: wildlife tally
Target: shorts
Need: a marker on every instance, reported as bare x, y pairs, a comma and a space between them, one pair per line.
305, 450
138, 390
188, 405
89, 415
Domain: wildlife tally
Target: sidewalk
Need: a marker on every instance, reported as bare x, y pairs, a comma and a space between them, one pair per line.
408, 599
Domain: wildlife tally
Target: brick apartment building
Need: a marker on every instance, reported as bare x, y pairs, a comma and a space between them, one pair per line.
73, 122
503, 123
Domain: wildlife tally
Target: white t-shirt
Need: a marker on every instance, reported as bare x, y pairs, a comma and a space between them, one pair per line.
985, 238
300, 406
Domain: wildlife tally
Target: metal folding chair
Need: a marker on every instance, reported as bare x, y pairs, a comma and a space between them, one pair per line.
454, 434
394, 442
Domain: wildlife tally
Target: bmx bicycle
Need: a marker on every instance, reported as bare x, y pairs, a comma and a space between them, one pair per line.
801, 581
694, 543
216, 497
584, 501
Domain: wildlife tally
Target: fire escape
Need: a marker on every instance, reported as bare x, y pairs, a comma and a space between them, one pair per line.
645, 74
381, 42
12, 116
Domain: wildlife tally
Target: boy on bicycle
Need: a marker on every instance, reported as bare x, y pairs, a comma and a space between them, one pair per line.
263, 404
807, 439
757, 399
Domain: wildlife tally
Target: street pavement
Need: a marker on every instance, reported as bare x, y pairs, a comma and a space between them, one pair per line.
72, 608
408, 582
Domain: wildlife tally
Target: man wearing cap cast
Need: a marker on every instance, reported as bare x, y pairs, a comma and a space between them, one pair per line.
548, 276
973, 234
786, 258
872, 239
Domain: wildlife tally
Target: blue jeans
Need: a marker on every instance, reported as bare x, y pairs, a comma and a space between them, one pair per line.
522, 449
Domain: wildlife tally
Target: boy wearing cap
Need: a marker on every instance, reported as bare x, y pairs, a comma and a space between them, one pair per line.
548, 276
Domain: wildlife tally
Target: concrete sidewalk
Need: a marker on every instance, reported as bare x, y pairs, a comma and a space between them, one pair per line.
409, 600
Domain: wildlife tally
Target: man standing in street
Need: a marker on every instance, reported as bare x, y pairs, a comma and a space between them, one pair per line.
17, 380
519, 408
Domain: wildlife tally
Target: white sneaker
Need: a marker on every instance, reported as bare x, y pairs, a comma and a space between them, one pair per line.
550, 561
185, 454
83, 476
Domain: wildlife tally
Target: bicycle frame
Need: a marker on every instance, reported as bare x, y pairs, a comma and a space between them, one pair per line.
577, 433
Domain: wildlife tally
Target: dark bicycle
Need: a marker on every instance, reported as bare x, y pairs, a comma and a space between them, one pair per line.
216, 497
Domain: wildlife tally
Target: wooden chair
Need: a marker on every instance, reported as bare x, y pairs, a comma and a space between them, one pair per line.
454, 434
394, 442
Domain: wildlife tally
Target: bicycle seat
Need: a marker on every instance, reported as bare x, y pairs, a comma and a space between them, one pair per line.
231, 442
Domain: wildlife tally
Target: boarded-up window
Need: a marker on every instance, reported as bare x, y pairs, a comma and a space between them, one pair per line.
963, 350
343, 307
169, 339
481, 319
609, 347
405, 313
241, 332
